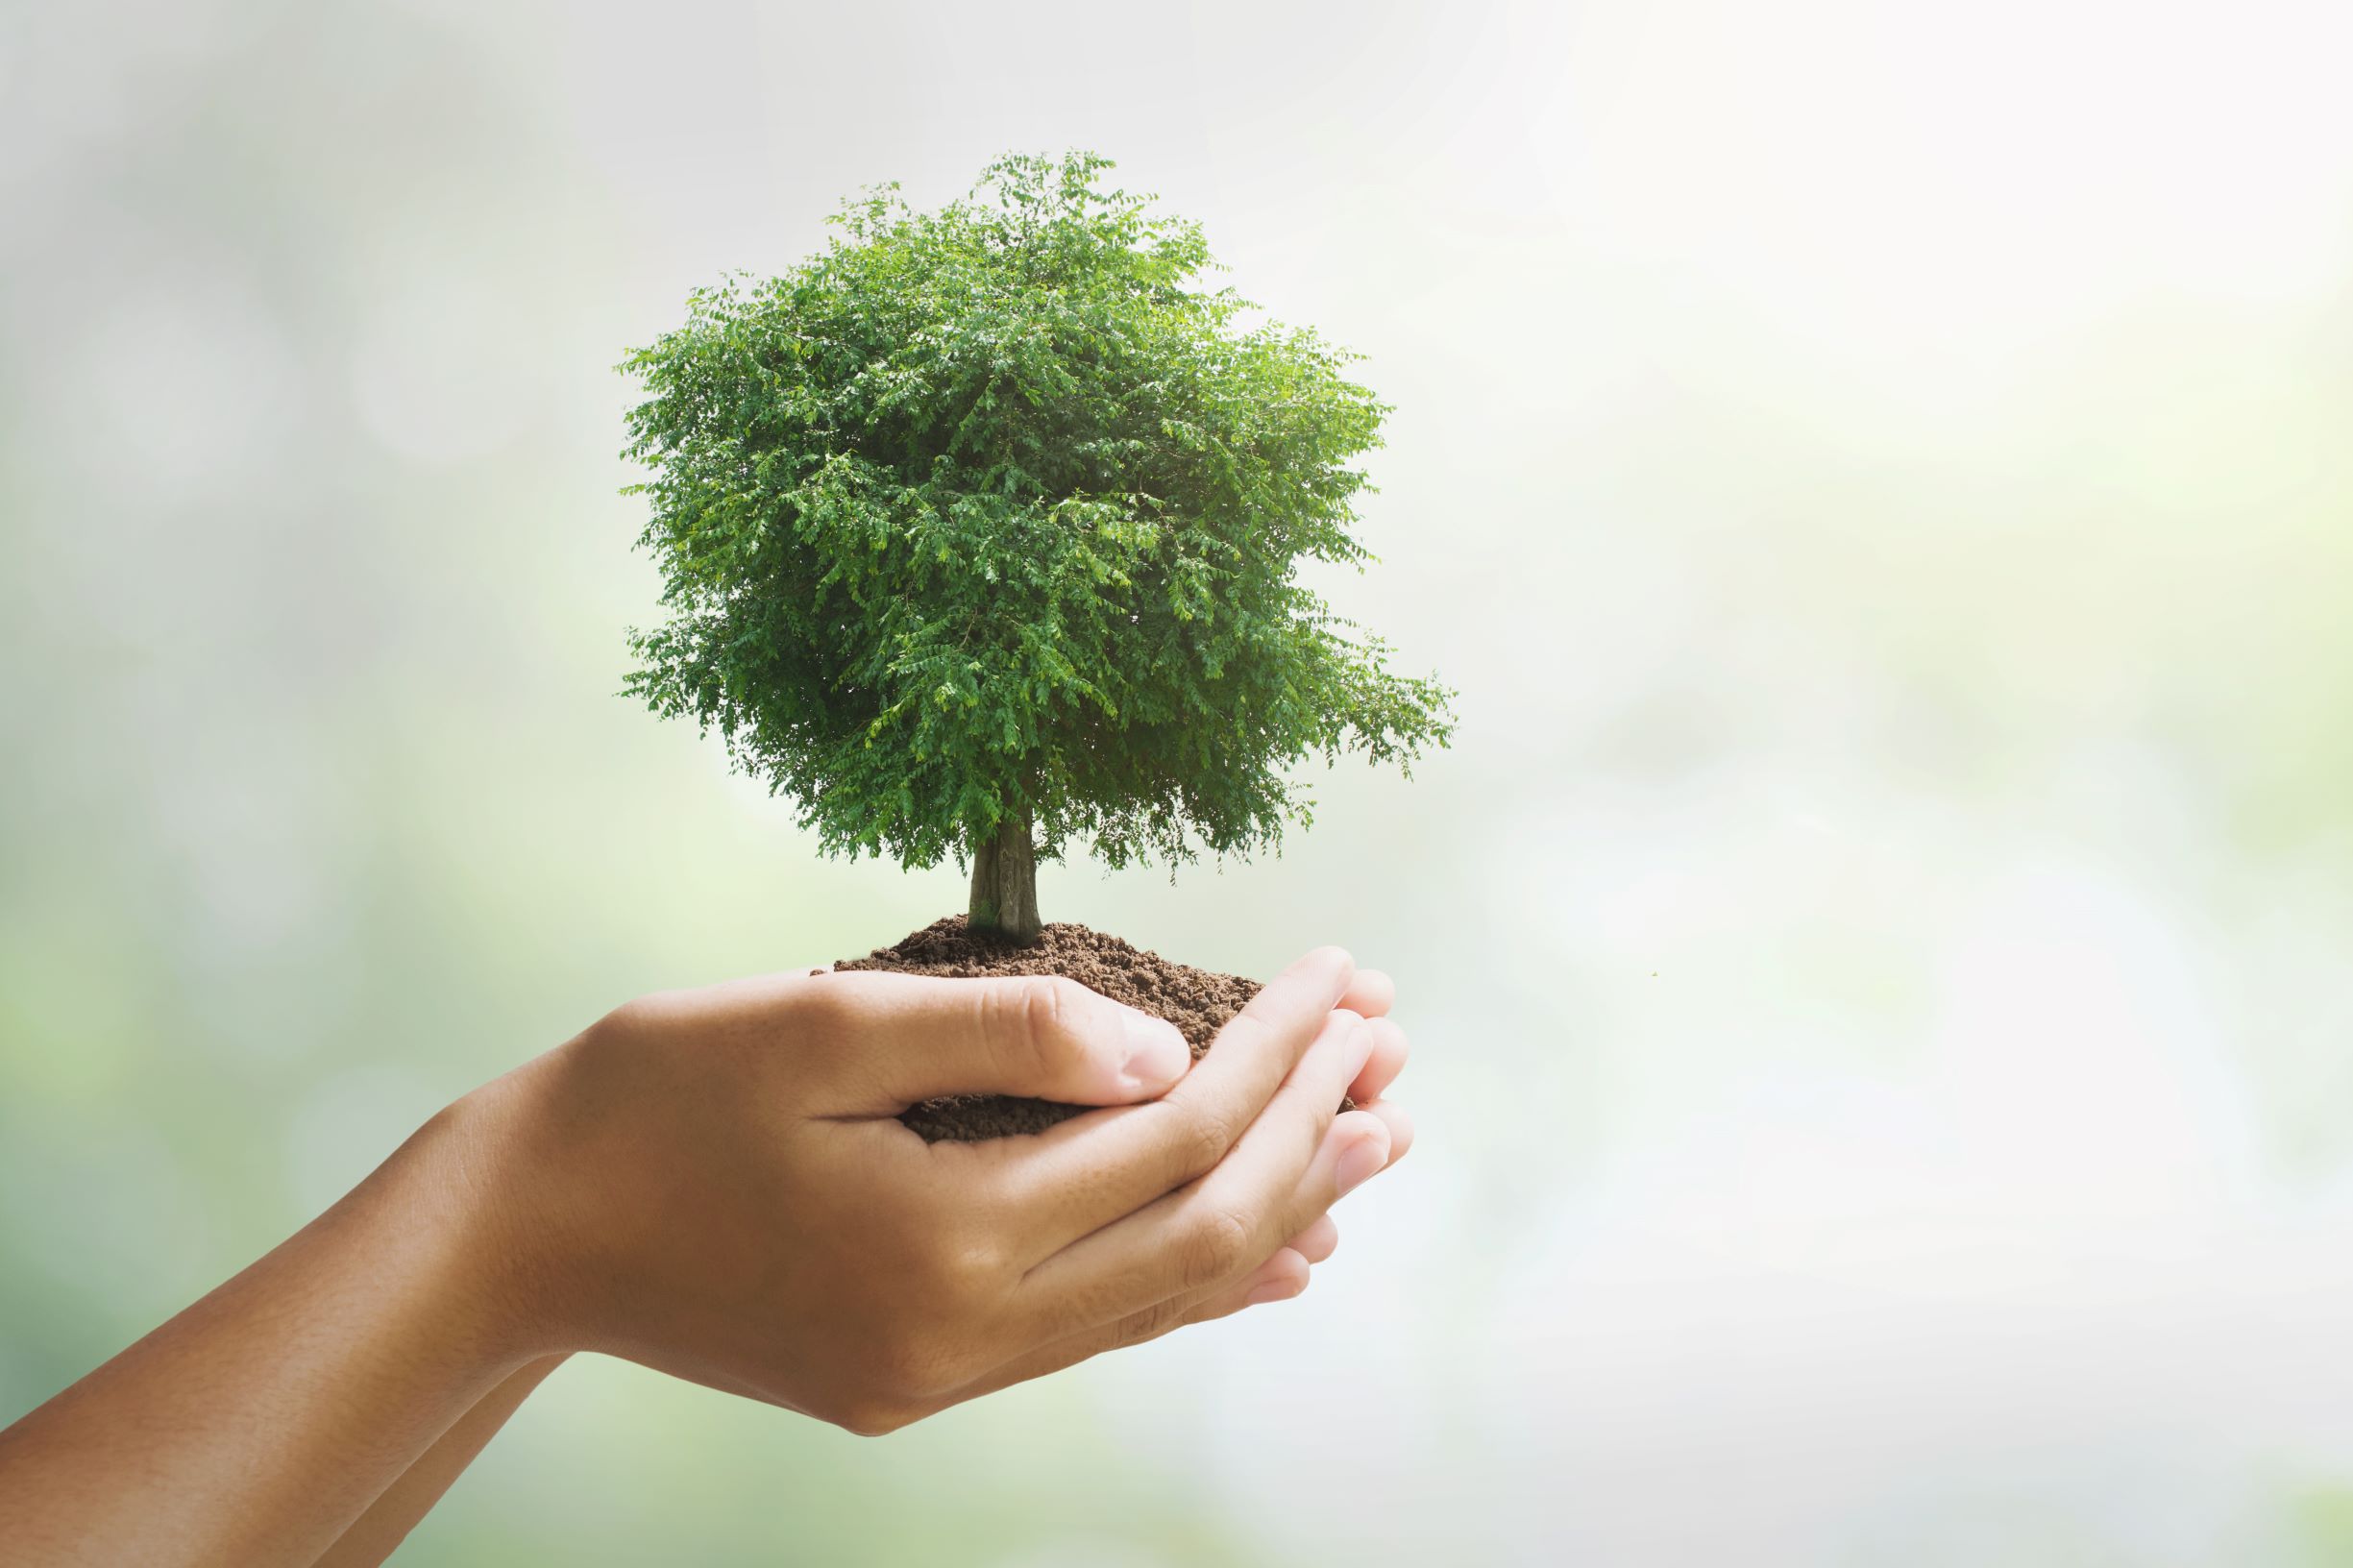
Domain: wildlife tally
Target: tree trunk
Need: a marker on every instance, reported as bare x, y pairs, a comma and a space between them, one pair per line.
1005, 881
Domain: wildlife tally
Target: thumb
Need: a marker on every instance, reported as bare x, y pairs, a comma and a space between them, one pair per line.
1044, 1036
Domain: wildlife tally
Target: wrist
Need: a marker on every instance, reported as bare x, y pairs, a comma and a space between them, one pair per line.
467, 1179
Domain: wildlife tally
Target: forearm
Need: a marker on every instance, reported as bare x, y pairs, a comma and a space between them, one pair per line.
377, 1532
258, 1425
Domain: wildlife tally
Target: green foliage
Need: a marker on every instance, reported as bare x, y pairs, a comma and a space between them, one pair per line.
990, 509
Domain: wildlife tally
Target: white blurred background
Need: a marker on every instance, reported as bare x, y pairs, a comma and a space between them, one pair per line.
1880, 954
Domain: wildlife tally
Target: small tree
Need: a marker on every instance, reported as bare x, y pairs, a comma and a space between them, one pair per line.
979, 534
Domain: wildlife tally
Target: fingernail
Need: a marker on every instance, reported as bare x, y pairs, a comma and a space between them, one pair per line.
1157, 1055
1272, 1290
1358, 1161
1359, 1050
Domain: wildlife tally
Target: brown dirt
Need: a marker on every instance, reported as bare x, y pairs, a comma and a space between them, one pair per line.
1197, 1001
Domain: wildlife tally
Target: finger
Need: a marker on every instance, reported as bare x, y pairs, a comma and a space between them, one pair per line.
1092, 1170
1400, 1125
1280, 1278
1216, 1229
1370, 995
1381, 1067
1277, 1279
1318, 1241
898, 1039
1354, 1149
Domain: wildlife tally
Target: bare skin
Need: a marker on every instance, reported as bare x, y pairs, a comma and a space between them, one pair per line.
714, 1184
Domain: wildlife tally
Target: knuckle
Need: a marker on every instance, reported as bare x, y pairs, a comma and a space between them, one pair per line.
1202, 1135
1150, 1323
1045, 1025
1092, 1305
1217, 1243
1051, 1008
1022, 1019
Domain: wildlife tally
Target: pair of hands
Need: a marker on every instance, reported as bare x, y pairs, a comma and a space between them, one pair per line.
715, 1183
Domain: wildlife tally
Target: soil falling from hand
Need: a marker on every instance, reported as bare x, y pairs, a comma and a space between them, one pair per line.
1199, 1002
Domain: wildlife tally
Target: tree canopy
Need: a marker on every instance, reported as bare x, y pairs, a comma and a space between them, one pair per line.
993, 515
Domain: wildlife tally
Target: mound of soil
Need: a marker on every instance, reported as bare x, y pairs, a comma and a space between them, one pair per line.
1197, 1001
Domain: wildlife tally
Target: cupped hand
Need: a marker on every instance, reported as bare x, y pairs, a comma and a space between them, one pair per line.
716, 1184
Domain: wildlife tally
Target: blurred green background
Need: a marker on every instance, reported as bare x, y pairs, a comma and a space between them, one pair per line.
1880, 954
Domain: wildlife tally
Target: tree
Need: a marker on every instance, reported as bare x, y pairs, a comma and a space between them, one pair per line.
979, 535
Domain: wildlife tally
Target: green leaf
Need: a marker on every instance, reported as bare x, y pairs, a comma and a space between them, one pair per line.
1106, 486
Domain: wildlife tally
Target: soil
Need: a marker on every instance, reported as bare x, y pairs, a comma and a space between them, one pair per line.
1197, 1001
